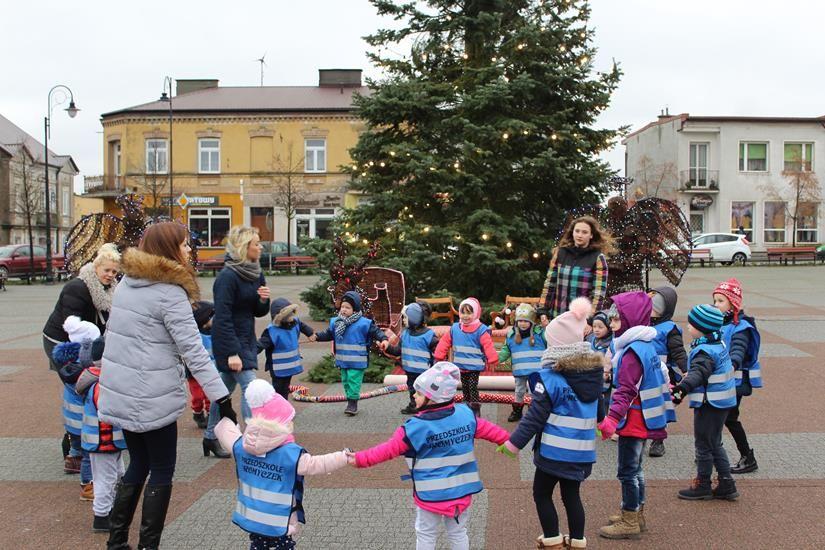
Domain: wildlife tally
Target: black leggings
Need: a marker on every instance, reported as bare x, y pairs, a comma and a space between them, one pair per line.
736, 430
543, 486
469, 386
152, 454
411, 378
281, 385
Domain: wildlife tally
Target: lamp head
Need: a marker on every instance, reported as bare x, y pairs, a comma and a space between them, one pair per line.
72, 109
164, 97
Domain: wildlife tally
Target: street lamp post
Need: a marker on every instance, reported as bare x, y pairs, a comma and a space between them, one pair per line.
72, 111
167, 81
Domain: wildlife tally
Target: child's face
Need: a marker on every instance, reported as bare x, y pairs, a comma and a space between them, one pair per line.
615, 324
405, 322
523, 325
600, 330
694, 334
345, 310
721, 303
420, 400
466, 315
544, 320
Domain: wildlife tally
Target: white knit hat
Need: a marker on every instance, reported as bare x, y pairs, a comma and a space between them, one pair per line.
80, 331
438, 383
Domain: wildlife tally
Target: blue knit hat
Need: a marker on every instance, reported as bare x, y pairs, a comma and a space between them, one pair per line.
706, 318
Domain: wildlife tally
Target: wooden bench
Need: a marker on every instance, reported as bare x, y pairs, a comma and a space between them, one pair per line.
783, 253
512, 302
701, 256
211, 265
451, 314
294, 263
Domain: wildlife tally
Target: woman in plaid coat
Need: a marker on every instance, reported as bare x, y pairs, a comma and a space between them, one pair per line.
578, 267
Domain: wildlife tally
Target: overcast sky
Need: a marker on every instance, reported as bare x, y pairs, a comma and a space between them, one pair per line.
709, 57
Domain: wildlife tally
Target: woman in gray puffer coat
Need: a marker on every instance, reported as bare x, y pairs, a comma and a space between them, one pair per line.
150, 334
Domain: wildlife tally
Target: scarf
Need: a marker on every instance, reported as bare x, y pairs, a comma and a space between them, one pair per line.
101, 294
639, 332
341, 323
709, 338
248, 271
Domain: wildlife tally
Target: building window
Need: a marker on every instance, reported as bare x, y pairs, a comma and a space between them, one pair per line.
313, 223
156, 155
753, 156
807, 230
741, 218
774, 221
799, 157
209, 156
697, 223
116, 150
698, 165
315, 155
209, 226
65, 200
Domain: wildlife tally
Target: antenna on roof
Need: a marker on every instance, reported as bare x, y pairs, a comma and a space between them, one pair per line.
262, 61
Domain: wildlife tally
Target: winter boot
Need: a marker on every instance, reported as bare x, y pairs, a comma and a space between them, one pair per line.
213, 446
87, 491
100, 524
352, 407
575, 543
556, 543
515, 416
699, 490
642, 523
120, 518
155, 506
71, 464
657, 448
746, 464
65, 444
410, 408
726, 489
200, 420
476, 408
626, 528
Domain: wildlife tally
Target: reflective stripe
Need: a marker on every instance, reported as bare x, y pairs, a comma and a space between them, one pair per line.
350, 358
266, 496
86, 437
467, 349
468, 361
447, 482
651, 393
720, 378
440, 462
78, 409
415, 364
90, 421
721, 395
653, 412
524, 354
73, 422
261, 517
416, 353
567, 443
285, 355
738, 375
284, 366
572, 422
351, 347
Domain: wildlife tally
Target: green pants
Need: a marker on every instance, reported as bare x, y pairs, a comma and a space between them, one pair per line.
352, 378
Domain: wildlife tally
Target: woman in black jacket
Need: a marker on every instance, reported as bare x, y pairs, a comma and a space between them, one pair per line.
240, 295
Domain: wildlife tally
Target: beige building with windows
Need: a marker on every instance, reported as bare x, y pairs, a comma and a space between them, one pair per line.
728, 173
218, 156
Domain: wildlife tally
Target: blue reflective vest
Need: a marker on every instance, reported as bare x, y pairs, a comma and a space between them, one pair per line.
751, 365
416, 356
602, 349
269, 489
286, 359
526, 359
569, 434
467, 352
721, 388
351, 350
72, 410
90, 434
654, 388
206, 340
441, 462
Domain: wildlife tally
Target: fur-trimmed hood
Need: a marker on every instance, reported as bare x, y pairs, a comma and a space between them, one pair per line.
262, 435
101, 295
152, 269
291, 309
583, 373
579, 363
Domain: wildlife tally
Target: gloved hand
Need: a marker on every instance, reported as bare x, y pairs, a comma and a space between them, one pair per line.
508, 449
678, 393
226, 410
608, 427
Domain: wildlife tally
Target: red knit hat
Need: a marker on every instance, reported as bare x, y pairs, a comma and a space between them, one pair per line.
732, 290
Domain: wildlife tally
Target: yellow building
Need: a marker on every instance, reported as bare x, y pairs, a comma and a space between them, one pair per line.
83, 206
221, 156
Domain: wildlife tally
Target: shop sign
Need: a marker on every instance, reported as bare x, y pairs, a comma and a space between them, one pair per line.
700, 202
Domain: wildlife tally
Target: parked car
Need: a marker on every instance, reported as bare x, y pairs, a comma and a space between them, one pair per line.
820, 252
726, 248
14, 261
276, 249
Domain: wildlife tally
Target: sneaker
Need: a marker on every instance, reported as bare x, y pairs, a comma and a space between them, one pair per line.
746, 464
657, 448
87, 491
100, 524
699, 490
71, 464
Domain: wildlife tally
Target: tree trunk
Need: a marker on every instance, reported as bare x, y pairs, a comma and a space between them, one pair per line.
31, 249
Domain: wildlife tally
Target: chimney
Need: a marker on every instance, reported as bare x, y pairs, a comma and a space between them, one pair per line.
186, 85
664, 113
339, 78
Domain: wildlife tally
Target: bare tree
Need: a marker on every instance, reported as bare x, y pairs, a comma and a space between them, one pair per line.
654, 180
154, 185
288, 191
801, 191
29, 197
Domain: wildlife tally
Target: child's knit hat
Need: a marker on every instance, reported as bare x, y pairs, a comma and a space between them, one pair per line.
352, 298
79, 330
600, 316
414, 314
265, 402
706, 318
439, 382
474, 304
732, 290
526, 312
280, 309
568, 328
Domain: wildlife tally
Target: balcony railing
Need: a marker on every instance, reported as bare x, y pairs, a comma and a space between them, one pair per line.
97, 184
699, 180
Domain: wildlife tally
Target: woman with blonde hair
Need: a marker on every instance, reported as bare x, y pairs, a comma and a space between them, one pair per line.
240, 295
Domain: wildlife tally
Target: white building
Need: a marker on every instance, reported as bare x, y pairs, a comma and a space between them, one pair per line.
732, 172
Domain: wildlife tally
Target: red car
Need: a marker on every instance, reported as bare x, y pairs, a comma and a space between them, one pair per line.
14, 261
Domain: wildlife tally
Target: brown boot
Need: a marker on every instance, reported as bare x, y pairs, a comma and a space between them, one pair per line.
575, 543
71, 464
626, 528
87, 491
616, 518
556, 543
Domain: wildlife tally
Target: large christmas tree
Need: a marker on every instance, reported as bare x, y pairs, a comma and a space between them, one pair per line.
479, 139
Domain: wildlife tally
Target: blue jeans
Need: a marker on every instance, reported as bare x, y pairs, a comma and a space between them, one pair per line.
231, 380
85, 463
631, 451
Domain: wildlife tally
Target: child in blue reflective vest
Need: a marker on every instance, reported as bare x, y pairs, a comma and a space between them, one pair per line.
279, 342
562, 417
710, 388
473, 349
601, 341
742, 339
668, 342
203, 312
438, 445
416, 346
353, 335
271, 467
523, 347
